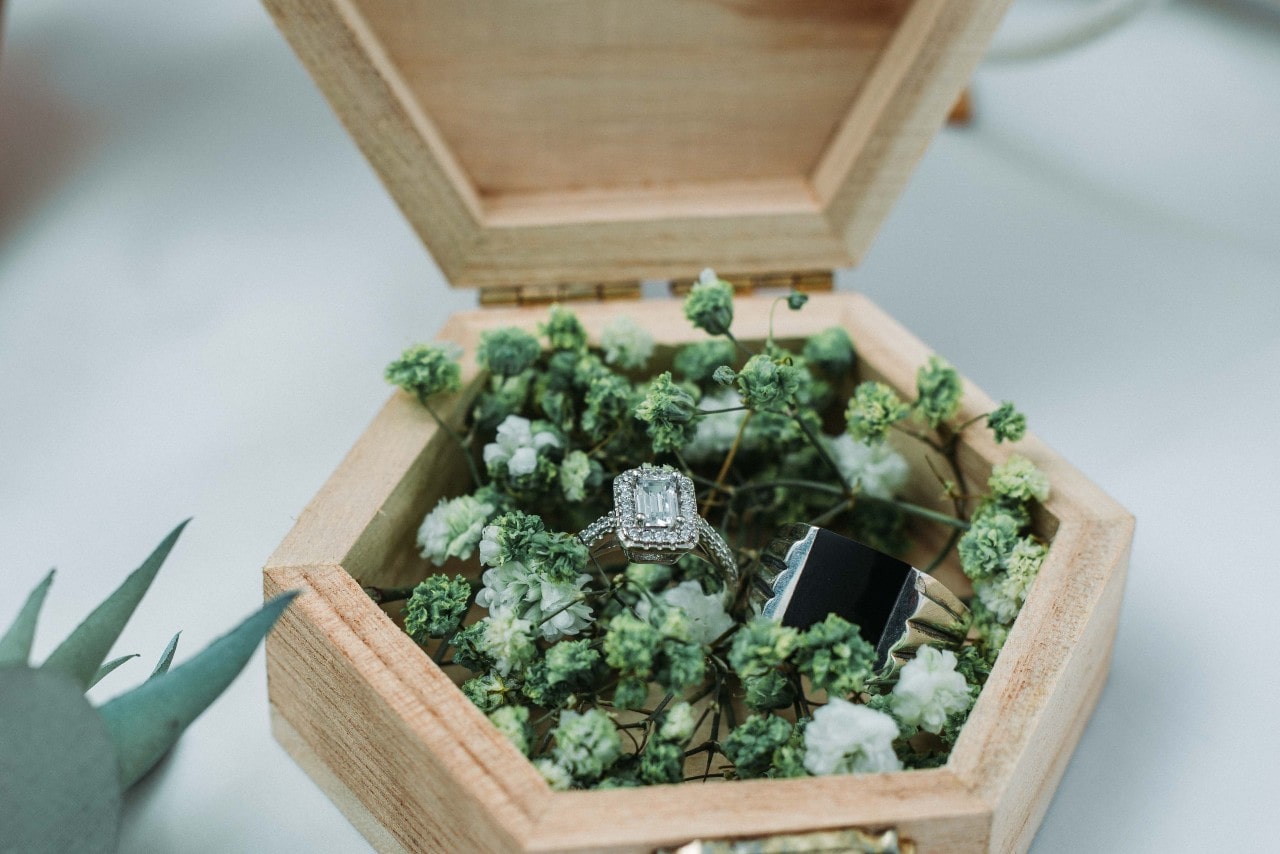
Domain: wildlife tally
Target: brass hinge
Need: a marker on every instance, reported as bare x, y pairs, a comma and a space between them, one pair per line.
808, 282
821, 842
515, 295
544, 294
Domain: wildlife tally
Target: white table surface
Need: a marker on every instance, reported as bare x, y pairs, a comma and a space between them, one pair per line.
201, 281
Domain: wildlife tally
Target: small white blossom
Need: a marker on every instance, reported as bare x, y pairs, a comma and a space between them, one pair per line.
556, 617
877, 470
554, 773
1004, 593
517, 446
574, 472
845, 738
453, 528
708, 277
489, 548
508, 640
625, 343
929, 689
511, 585
715, 433
705, 612
678, 724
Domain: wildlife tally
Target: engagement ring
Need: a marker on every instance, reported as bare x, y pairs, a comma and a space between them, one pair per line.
655, 520
897, 607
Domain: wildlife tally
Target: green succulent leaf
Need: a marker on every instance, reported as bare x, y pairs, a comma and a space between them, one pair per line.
108, 667
59, 785
146, 722
84, 650
15, 646
166, 657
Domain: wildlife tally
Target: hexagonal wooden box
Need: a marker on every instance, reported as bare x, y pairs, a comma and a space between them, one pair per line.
576, 144
418, 768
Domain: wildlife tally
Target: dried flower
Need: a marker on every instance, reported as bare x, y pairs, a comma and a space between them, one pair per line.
608, 403
453, 528
831, 350
426, 369
554, 773
668, 410
513, 722
875, 470
696, 362
508, 351
929, 690
767, 383
577, 471
678, 724
939, 390
796, 300
1003, 595
510, 538
507, 640
709, 304
586, 744
436, 607
751, 745
488, 692
705, 613
515, 449
835, 657
770, 690
990, 539
762, 645
1018, 479
849, 739
626, 344
1007, 424
563, 330
874, 408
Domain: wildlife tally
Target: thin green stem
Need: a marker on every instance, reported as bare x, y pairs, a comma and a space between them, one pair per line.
822, 452
942, 555
922, 512
466, 450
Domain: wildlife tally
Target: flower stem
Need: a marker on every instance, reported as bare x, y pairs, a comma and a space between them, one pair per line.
380, 595
453, 434
822, 452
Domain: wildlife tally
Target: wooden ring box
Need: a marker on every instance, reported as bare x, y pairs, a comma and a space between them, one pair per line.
549, 149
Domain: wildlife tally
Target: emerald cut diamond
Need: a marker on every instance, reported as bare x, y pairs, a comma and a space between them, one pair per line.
657, 500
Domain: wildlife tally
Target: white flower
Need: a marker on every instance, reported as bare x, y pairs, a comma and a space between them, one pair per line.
574, 472
555, 616
708, 277
508, 586
554, 773
929, 689
517, 446
678, 724
705, 612
625, 343
453, 529
489, 548
715, 433
508, 640
878, 470
845, 738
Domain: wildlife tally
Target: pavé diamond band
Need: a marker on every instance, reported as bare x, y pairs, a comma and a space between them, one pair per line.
896, 607
655, 520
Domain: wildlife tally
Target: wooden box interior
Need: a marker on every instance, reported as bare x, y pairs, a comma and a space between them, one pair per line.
419, 768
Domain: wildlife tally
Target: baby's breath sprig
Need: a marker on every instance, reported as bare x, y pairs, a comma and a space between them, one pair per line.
610, 676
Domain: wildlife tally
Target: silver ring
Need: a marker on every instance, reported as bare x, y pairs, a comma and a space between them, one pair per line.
655, 520
897, 608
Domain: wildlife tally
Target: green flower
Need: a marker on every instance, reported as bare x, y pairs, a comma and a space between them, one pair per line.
766, 383
425, 370
508, 351
873, 409
1017, 478
835, 657
831, 350
569, 667
760, 646
508, 641
577, 473
796, 300
751, 745
788, 760
513, 722
626, 344
631, 645
709, 305
563, 330
586, 744
504, 397
556, 776
939, 389
668, 410
771, 690
696, 362
487, 692
467, 649
631, 693
607, 405
510, 538
436, 607
648, 576
989, 541
681, 665
1007, 424
453, 528
556, 557
661, 762
678, 723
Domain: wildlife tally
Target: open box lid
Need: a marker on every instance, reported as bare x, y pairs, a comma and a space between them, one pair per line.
568, 141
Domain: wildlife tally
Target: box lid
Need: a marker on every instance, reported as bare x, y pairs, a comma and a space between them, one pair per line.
557, 141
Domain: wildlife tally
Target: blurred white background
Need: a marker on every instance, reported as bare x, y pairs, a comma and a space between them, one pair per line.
201, 280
